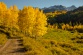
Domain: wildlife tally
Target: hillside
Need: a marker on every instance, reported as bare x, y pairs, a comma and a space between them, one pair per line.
74, 16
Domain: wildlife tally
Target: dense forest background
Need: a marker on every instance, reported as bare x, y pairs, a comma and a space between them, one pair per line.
74, 16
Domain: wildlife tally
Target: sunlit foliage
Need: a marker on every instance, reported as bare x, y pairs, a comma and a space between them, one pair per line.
32, 21
11, 17
29, 20
3, 9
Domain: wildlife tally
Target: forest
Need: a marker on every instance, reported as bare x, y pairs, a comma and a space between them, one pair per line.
40, 33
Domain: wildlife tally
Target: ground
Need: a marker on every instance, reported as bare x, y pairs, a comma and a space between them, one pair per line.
13, 47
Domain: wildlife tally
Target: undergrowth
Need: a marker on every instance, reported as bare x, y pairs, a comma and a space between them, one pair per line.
55, 42
3, 38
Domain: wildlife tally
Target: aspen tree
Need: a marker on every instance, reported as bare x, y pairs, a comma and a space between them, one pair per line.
32, 21
40, 23
3, 9
14, 16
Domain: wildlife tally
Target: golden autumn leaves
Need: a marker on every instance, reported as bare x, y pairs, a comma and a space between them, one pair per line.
33, 21
29, 20
8, 16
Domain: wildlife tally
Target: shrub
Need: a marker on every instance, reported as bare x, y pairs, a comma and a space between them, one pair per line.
3, 39
34, 47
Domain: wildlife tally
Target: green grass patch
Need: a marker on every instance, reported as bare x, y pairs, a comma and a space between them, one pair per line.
55, 42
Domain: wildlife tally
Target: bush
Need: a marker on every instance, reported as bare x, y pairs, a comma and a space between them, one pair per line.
34, 47
3, 39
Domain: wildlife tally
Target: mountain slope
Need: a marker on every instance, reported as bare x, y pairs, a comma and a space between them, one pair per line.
58, 8
74, 16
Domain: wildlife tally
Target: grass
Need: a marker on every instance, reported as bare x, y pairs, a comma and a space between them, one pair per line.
34, 47
58, 35
55, 42
64, 40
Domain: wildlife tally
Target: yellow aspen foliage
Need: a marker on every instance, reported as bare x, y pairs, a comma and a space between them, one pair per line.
7, 19
32, 21
26, 19
3, 9
56, 27
67, 26
13, 19
63, 26
40, 23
